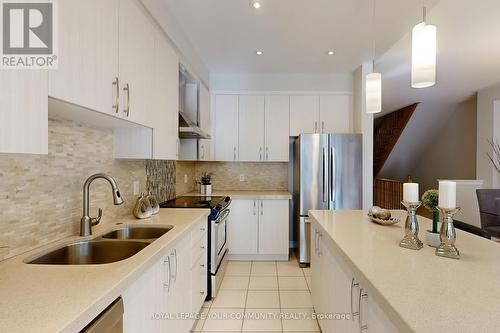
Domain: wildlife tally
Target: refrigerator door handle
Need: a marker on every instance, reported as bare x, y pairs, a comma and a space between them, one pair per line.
325, 174
333, 171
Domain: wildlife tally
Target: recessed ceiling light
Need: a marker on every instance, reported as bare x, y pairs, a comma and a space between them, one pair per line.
330, 53
259, 52
256, 4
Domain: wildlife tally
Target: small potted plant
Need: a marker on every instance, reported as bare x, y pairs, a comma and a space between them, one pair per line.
205, 182
430, 202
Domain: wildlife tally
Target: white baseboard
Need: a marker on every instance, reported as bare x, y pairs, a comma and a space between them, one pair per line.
258, 257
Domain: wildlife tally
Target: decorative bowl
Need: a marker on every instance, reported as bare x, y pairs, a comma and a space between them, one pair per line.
392, 220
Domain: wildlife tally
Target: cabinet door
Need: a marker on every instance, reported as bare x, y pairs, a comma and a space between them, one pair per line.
205, 121
226, 128
204, 150
277, 128
179, 300
304, 114
344, 292
23, 111
136, 63
242, 227
88, 54
335, 114
142, 300
376, 320
251, 128
166, 102
273, 227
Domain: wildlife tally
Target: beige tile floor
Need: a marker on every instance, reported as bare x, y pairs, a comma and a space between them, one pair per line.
261, 297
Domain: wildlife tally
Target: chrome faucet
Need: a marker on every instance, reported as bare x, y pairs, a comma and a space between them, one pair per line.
87, 222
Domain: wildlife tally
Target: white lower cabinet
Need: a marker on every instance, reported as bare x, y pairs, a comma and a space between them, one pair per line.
336, 293
258, 229
163, 297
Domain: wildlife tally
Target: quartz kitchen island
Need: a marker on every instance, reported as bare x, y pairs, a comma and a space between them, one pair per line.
413, 291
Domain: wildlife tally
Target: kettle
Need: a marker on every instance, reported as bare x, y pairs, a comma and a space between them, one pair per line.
142, 209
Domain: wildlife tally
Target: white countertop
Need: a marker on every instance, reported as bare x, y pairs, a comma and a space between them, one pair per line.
56, 298
419, 291
257, 195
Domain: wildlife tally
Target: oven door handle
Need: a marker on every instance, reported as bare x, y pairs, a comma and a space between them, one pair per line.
223, 216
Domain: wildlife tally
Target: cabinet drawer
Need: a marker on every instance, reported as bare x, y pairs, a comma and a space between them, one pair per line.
198, 231
198, 284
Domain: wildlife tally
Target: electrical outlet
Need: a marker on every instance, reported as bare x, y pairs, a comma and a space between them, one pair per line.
137, 188
242, 178
185, 179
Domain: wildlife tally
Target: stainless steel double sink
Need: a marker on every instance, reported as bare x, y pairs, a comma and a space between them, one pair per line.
118, 244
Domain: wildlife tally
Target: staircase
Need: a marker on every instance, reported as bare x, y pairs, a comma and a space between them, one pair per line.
387, 131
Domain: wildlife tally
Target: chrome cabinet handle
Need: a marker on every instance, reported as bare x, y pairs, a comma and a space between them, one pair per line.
362, 296
267, 153
260, 154
354, 284
262, 207
322, 127
319, 244
202, 247
116, 106
166, 266
315, 127
234, 153
174, 256
316, 233
127, 90
203, 228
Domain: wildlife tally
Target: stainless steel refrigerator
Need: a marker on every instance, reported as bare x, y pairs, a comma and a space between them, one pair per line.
327, 175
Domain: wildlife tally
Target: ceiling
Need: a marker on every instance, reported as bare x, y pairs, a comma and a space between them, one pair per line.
294, 35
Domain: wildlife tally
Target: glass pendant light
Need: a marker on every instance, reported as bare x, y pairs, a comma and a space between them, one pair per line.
373, 81
423, 58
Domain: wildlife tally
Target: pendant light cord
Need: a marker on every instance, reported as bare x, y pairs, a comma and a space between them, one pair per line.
373, 36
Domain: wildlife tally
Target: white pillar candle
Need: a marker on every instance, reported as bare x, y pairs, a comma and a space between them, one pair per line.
447, 194
410, 192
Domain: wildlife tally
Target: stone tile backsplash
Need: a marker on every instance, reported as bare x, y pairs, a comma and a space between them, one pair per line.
258, 176
41, 195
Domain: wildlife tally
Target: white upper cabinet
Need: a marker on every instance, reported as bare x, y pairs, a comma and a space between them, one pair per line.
205, 116
23, 111
304, 114
226, 128
136, 63
277, 125
335, 113
165, 104
87, 72
251, 128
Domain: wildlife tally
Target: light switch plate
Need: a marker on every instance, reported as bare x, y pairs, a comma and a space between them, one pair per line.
185, 179
242, 178
137, 188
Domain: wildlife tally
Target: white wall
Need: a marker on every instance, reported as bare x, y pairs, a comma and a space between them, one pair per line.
363, 123
488, 127
281, 82
451, 153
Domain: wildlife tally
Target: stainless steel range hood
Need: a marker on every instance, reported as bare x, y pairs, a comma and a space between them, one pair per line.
189, 107
189, 129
